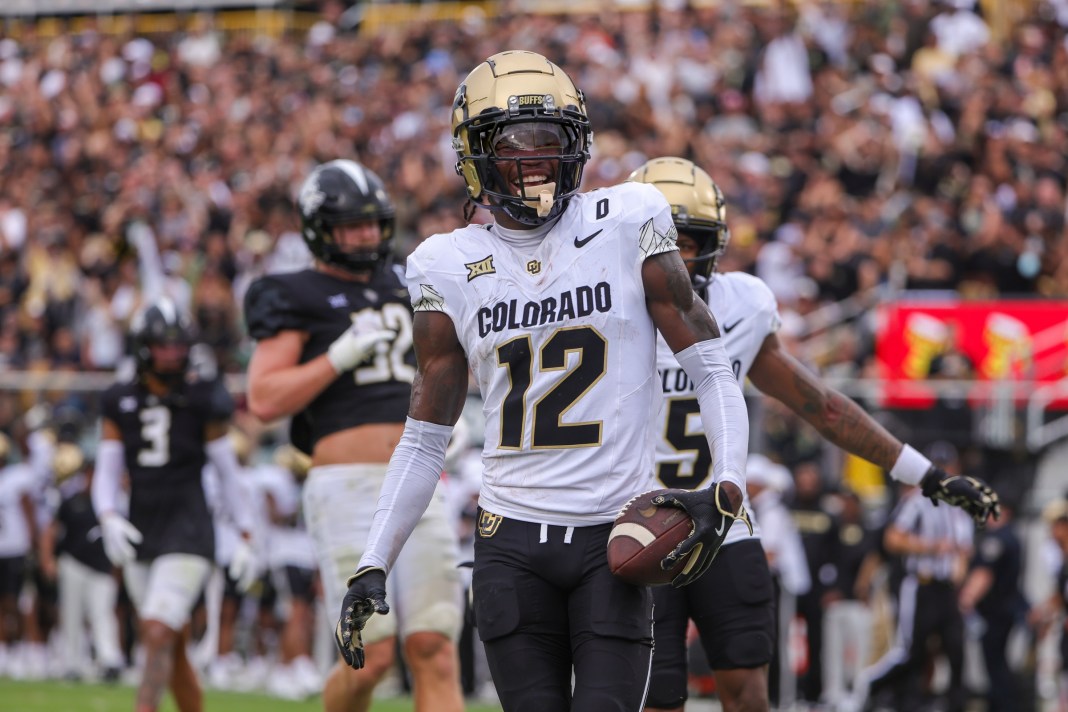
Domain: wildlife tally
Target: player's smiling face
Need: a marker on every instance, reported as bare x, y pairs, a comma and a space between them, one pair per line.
529, 155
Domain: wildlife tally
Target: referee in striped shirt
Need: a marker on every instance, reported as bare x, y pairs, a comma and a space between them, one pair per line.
935, 544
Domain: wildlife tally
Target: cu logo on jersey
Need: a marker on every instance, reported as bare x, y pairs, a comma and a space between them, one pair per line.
488, 522
534, 267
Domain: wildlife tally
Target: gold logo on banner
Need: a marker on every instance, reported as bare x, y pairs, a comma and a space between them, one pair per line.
479, 267
488, 523
534, 266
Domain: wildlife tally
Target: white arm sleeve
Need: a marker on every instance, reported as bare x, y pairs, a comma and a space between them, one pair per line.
723, 412
107, 477
220, 452
42, 449
148, 259
413, 473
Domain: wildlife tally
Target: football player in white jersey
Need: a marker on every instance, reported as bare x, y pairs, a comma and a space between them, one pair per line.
732, 608
555, 310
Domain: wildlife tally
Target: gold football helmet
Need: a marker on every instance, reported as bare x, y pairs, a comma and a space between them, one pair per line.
242, 445
697, 206
519, 111
292, 459
68, 460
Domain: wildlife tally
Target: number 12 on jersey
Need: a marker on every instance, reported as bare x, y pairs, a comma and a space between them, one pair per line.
549, 430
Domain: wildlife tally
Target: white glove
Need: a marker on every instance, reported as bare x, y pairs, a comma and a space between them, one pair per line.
244, 566
119, 537
353, 347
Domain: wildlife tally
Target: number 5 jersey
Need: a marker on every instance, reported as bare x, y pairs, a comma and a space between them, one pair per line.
747, 313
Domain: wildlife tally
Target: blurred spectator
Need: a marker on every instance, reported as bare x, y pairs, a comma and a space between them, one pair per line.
292, 570
821, 538
951, 416
847, 621
935, 543
72, 555
767, 483
992, 591
1049, 615
18, 537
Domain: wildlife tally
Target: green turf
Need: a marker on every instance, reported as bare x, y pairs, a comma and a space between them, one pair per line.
52, 696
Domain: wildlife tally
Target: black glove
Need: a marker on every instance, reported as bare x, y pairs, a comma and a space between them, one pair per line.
711, 512
969, 493
366, 596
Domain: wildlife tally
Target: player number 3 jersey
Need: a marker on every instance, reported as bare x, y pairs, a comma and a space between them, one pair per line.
563, 349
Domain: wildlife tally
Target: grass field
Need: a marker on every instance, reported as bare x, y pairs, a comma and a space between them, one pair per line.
54, 696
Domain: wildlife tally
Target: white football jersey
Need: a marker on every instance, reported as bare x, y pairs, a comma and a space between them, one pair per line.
286, 544
226, 532
563, 350
15, 481
746, 311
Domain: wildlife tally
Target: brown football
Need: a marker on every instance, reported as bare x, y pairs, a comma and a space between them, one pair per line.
643, 534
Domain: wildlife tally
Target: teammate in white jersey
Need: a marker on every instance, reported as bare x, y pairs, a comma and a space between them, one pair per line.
732, 608
555, 310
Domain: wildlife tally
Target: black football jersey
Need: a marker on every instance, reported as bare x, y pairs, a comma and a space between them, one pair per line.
163, 442
324, 306
81, 532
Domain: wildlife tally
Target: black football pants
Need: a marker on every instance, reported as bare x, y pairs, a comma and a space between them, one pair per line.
545, 602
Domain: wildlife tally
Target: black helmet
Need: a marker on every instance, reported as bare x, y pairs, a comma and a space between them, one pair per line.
338, 193
161, 323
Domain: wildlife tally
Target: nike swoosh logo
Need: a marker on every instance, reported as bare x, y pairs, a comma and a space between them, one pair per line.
729, 328
583, 241
722, 527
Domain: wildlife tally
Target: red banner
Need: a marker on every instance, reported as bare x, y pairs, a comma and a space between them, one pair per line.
968, 340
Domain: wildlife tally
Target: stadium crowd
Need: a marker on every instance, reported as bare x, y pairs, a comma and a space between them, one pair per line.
861, 147
896, 143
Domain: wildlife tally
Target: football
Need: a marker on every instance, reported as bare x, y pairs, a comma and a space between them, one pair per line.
643, 534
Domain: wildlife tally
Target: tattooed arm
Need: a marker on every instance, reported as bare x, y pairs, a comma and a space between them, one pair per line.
440, 386
837, 418
438, 395
691, 331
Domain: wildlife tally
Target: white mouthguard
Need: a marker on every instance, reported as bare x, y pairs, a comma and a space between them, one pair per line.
544, 199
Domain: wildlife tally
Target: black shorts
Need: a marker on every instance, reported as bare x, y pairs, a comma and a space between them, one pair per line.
47, 589
733, 608
294, 583
12, 575
231, 591
544, 605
